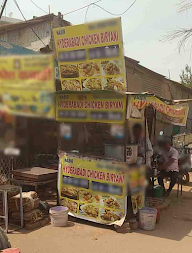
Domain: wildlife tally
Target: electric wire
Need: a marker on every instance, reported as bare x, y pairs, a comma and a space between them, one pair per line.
113, 13
82, 7
38, 6
27, 22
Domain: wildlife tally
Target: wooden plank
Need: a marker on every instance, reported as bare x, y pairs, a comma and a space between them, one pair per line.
38, 173
25, 182
26, 178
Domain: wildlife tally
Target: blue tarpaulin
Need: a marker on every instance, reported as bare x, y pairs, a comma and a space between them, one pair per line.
11, 49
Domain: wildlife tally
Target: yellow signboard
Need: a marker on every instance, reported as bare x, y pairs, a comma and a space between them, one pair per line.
91, 56
84, 107
173, 113
27, 85
93, 190
136, 177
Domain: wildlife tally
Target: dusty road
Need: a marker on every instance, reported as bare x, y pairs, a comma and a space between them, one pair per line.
172, 234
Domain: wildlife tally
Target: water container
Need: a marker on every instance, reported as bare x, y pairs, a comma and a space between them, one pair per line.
158, 191
59, 216
147, 218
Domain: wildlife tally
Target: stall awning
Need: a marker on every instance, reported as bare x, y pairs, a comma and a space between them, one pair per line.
174, 111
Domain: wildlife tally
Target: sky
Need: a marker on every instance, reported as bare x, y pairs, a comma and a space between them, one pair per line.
144, 27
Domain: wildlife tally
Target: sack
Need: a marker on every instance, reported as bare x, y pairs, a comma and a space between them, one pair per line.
29, 217
30, 202
37, 224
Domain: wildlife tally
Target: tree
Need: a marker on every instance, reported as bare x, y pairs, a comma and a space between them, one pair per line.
183, 34
186, 76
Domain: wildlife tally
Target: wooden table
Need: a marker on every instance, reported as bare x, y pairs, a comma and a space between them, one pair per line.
35, 174
22, 182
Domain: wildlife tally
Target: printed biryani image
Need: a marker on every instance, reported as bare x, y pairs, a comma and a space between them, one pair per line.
114, 84
92, 84
90, 210
134, 204
111, 67
87, 197
89, 69
69, 70
70, 192
109, 215
140, 201
111, 202
72, 205
173, 119
73, 84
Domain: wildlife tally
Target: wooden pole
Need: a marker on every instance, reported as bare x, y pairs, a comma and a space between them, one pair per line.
125, 131
145, 136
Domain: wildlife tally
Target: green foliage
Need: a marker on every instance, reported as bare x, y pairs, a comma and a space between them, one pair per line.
186, 76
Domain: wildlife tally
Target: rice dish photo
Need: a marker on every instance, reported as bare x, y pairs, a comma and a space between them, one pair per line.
140, 201
73, 84
93, 84
69, 71
72, 205
134, 204
111, 203
109, 215
70, 193
113, 84
89, 69
88, 197
90, 210
111, 68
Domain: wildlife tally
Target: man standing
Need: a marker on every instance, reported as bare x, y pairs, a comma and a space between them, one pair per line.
168, 165
139, 139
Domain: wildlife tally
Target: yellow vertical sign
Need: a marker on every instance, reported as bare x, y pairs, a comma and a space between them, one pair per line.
27, 85
91, 56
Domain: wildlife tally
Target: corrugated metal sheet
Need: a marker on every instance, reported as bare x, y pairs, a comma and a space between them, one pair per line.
152, 85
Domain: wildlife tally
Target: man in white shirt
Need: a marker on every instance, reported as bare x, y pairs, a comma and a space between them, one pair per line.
168, 166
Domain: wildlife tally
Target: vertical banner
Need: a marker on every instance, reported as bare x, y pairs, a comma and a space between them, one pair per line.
136, 175
27, 85
91, 56
93, 190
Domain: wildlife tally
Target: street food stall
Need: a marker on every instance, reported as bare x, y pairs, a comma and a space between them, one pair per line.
97, 155
90, 57
98, 158
94, 156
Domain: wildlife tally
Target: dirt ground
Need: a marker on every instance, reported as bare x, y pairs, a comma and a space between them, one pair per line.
172, 234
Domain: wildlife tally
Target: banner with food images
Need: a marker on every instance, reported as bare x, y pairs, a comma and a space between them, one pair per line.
93, 190
91, 107
27, 85
136, 175
91, 56
175, 114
